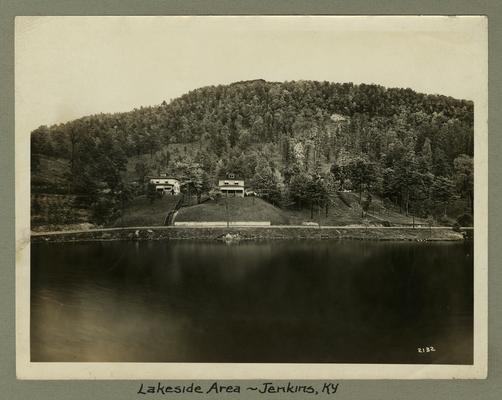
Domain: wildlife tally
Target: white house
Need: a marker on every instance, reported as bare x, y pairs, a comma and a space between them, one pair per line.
231, 187
166, 185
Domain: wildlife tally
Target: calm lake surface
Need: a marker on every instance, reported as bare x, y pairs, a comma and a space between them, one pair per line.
276, 301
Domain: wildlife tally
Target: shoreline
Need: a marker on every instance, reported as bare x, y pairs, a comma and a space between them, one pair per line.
274, 232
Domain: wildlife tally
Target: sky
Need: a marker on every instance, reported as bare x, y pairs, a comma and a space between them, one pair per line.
68, 67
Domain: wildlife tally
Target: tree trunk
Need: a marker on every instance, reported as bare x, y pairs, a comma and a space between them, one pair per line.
72, 166
311, 210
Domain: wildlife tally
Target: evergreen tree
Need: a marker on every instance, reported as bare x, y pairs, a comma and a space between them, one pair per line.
442, 192
265, 182
464, 178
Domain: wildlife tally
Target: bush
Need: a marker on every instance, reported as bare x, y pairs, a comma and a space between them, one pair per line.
465, 220
456, 227
214, 194
104, 210
443, 220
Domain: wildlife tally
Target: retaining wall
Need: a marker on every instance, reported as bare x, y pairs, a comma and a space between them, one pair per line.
219, 224
253, 233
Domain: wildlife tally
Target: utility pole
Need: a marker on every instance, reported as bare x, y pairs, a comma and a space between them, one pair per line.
319, 215
226, 210
122, 208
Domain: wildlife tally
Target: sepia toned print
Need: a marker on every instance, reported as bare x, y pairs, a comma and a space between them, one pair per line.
298, 196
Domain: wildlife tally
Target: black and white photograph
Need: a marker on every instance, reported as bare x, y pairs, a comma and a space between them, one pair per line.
251, 197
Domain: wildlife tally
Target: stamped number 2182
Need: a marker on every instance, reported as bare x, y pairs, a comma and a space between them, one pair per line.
427, 349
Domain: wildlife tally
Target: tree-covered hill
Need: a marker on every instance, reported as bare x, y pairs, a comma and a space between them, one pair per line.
296, 143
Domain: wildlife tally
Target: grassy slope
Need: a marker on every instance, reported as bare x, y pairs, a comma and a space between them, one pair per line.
140, 212
378, 212
340, 213
239, 209
247, 209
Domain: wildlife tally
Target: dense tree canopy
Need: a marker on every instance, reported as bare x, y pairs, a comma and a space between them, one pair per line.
414, 149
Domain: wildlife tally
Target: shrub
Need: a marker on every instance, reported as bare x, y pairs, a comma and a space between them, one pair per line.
465, 220
443, 220
104, 210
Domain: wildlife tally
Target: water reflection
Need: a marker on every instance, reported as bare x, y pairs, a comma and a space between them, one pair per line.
280, 301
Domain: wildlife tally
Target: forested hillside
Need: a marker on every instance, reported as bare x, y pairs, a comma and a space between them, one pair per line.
297, 144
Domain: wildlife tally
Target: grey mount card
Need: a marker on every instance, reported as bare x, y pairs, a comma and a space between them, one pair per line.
251, 197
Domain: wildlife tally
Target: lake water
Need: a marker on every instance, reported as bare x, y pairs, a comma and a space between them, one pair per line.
276, 301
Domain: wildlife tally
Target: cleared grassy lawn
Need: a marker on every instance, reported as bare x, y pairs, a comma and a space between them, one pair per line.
249, 209
239, 209
378, 212
140, 212
339, 213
